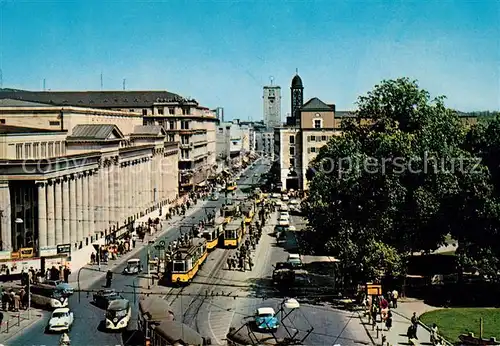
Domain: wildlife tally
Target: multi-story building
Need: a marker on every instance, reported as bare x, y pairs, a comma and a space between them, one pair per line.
184, 120
70, 176
222, 144
272, 106
309, 127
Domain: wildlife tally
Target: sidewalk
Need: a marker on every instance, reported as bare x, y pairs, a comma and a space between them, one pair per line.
89, 274
400, 322
15, 322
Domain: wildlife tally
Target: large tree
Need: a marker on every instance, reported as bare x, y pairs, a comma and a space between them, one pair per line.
388, 187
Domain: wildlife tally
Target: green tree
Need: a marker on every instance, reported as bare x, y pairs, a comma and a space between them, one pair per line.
384, 186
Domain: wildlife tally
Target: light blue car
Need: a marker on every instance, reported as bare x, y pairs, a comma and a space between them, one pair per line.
265, 320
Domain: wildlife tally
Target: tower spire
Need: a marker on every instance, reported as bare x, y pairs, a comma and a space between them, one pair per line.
296, 71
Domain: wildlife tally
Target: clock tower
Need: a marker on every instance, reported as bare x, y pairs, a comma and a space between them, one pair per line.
297, 97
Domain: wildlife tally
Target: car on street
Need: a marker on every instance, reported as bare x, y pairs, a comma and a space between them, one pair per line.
295, 260
103, 298
61, 285
214, 197
284, 214
61, 320
294, 202
275, 195
285, 198
265, 319
133, 267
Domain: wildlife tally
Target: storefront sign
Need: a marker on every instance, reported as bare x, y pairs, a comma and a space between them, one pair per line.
17, 266
26, 252
64, 249
373, 289
47, 251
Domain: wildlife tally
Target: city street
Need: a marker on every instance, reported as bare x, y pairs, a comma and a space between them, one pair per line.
87, 329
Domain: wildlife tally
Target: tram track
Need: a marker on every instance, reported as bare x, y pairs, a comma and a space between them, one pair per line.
195, 304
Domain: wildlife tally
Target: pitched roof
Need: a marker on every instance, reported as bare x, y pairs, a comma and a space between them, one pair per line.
98, 99
149, 130
344, 114
315, 104
21, 103
92, 132
6, 129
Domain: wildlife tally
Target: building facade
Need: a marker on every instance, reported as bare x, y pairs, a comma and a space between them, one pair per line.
73, 175
272, 106
184, 121
309, 127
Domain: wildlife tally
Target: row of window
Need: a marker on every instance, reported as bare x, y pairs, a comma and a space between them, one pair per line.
40, 150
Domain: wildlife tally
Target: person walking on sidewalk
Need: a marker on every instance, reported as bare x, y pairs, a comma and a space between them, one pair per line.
395, 296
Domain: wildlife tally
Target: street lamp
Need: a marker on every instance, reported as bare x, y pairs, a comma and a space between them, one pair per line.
20, 221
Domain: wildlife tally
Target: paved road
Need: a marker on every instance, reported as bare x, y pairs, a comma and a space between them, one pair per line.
330, 326
87, 329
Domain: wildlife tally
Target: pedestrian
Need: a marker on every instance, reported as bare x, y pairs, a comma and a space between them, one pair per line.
388, 321
395, 295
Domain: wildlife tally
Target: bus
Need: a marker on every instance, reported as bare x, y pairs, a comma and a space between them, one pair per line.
187, 261
233, 233
118, 314
48, 296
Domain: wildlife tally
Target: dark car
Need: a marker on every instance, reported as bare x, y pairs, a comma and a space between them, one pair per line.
104, 297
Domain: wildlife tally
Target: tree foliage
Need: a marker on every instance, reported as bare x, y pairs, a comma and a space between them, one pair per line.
402, 181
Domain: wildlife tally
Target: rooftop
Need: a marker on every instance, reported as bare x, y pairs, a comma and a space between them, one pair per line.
95, 132
98, 99
9, 129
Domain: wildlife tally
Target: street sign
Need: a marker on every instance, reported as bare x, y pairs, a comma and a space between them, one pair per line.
162, 243
64, 249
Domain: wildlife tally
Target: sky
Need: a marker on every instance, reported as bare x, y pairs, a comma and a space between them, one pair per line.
223, 52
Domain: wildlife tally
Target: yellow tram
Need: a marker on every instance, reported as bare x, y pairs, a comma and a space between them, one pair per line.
248, 211
229, 212
233, 233
214, 232
187, 261
231, 186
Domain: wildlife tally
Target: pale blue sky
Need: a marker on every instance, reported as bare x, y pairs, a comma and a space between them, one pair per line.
223, 52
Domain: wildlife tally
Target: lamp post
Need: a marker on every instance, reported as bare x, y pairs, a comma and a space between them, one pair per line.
20, 221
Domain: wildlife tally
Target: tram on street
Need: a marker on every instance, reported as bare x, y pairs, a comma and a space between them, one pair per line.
118, 314
248, 211
213, 233
231, 186
233, 233
176, 333
152, 312
229, 212
187, 261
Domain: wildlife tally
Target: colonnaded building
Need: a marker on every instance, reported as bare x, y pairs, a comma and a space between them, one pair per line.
78, 166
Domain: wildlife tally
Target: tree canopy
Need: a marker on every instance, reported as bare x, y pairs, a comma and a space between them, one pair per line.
404, 173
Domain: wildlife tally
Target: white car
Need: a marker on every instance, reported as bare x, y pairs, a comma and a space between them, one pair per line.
285, 198
275, 195
294, 202
284, 222
284, 214
61, 320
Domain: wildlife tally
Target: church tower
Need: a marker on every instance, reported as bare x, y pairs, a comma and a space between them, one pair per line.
297, 97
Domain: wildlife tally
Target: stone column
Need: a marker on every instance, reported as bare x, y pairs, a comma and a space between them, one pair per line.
42, 215
135, 198
92, 202
66, 211
154, 184
5, 218
105, 195
130, 187
123, 189
79, 207
58, 211
98, 209
111, 194
149, 177
85, 201
117, 192
73, 211
161, 174
51, 235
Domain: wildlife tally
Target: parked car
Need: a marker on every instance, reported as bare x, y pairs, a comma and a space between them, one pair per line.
295, 260
134, 266
214, 197
103, 298
61, 320
265, 319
